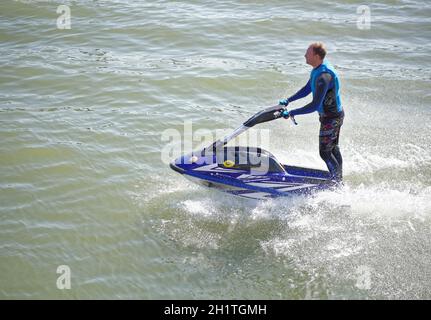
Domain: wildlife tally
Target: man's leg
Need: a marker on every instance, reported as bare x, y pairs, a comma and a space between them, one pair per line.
337, 155
336, 149
331, 163
328, 147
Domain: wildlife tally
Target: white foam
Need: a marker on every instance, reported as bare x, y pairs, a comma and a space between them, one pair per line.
407, 155
379, 201
198, 207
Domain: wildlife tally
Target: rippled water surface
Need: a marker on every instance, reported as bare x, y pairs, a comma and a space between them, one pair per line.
83, 181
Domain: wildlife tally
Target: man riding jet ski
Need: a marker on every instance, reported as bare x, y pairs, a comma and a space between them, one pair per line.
256, 173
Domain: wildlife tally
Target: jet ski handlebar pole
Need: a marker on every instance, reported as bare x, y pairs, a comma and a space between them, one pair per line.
233, 135
265, 115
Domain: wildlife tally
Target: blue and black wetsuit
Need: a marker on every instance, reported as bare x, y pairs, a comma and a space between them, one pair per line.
324, 85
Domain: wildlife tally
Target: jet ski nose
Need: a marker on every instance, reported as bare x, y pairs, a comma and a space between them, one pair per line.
176, 165
187, 162
180, 164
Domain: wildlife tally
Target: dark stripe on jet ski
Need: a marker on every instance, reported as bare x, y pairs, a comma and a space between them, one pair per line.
175, 168
299, 171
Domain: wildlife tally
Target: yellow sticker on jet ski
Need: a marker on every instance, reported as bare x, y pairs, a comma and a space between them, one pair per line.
228, 163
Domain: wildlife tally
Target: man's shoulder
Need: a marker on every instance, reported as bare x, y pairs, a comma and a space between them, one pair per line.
324, 77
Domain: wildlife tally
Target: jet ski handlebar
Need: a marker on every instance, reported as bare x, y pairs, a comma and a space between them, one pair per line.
266, 115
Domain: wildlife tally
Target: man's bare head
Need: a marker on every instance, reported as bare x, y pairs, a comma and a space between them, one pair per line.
315, 54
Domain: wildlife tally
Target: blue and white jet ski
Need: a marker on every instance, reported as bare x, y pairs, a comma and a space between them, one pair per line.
250, 172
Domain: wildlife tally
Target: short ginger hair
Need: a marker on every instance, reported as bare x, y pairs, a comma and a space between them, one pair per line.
319, 49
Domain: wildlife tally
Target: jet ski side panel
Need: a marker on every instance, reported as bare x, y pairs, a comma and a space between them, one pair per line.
245, 180
258, 187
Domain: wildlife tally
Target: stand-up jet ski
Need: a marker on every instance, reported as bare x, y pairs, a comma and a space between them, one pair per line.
250, 172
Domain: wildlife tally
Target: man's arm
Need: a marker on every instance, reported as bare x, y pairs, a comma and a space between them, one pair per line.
322, 85
305, 91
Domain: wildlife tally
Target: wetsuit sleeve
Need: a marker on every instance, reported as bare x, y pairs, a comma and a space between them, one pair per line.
322, 85
305, 91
